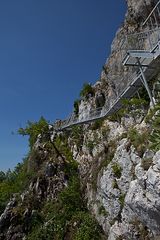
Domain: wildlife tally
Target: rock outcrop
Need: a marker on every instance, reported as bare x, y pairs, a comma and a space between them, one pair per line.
119, 173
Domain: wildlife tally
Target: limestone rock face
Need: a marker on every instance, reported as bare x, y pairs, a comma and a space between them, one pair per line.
143, 196
114, 76
124, 197
121, 186
22, 209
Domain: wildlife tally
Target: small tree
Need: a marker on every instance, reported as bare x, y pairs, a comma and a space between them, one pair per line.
33, 129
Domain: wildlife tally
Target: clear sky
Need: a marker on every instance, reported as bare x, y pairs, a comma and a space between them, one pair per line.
48, 49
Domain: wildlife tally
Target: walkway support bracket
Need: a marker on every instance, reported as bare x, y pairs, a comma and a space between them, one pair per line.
145, 83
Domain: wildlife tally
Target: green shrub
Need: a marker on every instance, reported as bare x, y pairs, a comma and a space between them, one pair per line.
97, 124
87, 227
134, 103
15, 182
42, 233
77, 135
62, 215
144, 94
116, 117
155, 141
71, 197
33, 129
150, 115
90, 145
117, 170
87, 90
139, 140
62, 146
105, 131
54, 219
130, 107
155, 135
2, 176
76, 106
102, 211
114, 184
122, 200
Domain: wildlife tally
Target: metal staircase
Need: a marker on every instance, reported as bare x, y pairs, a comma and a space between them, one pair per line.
140, 53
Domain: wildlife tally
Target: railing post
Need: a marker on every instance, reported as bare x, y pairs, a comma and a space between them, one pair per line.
152, 15
158, 10
149, 39
145, 82
155, 19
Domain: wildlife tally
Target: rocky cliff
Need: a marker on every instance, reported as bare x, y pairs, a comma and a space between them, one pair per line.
96, 181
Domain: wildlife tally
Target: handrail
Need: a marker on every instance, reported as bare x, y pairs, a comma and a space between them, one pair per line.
156, 6
150, 39
138, 37
142, 32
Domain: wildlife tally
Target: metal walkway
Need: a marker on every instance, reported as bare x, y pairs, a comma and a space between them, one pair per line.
140, 54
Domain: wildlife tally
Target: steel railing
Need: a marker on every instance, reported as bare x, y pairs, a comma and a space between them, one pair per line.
144, 41
153, 19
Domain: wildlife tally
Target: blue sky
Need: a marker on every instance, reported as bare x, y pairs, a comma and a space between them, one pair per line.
48, 49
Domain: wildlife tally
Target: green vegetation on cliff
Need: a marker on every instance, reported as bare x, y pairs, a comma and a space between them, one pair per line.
155, 135
33, 129
87, 90
13, 182
40, 215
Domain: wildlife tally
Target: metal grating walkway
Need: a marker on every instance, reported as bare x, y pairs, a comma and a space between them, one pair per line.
141, 53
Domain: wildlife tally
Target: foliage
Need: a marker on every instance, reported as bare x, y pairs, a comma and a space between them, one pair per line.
2, 176
150, 115
71, 198
116, 117
105, 131
35, 160
90, 145
131, 107
134, 102
102, 211
62, 144
122, 200
62, 215
42, 233
15, 182
144, 94
97, 124
117, 170
76, 106
155, 135
54, 219
87, 227
115, 184
139, 140
33, 129
77, 135
57, 228
59, 216
87, 90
